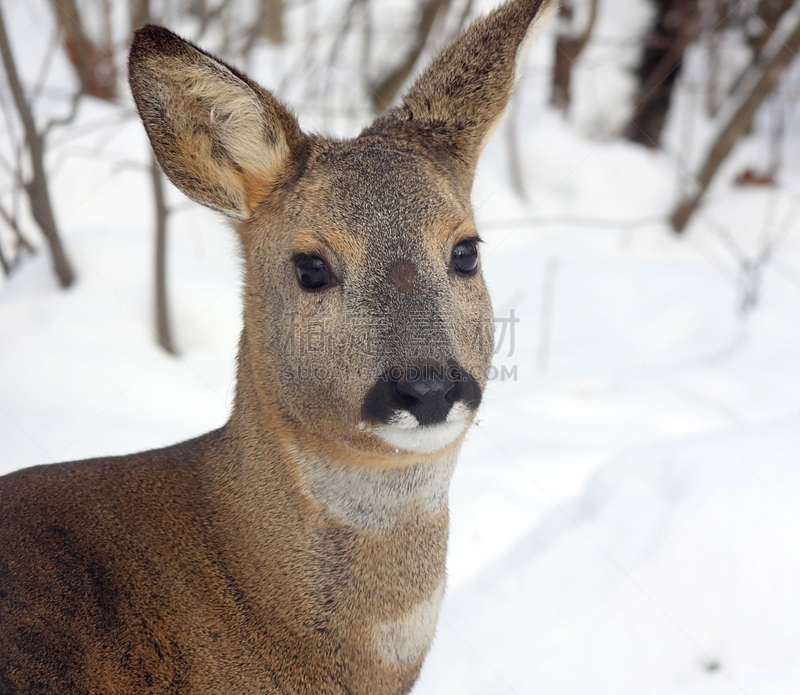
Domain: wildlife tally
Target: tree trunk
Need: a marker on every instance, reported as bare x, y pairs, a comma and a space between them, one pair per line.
270, 20
675, 28
4, 264
568, 49
738, 125
514, 160
36, 188
161, 212
42, 209
770, 13
139, 13
384, 92
23, 245
95, 66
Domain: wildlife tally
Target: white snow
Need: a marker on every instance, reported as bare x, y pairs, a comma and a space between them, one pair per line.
626, 514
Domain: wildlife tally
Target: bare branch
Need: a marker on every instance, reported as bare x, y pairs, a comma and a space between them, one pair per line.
94, 65
139, 13
568, 50
762, 45
270, 20
64, 120
4, 263
37, 188
384, 92
739, 124
770, 14
11, 220
47, 63
677, 26
462, 20
161, 214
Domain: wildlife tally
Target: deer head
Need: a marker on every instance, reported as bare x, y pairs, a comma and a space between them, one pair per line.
367, 323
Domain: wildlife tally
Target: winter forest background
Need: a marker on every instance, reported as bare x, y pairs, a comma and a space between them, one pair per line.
626, 514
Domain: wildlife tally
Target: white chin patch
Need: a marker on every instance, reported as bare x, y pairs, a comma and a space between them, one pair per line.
404, 431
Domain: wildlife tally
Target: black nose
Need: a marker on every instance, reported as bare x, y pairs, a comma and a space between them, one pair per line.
425, 386
427, 392
428, 395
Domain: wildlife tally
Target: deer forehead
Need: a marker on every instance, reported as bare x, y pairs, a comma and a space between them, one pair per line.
370, 202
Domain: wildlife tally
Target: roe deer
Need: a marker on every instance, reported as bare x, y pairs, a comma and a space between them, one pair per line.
301, 547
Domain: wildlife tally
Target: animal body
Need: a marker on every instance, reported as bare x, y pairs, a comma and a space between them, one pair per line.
301, 547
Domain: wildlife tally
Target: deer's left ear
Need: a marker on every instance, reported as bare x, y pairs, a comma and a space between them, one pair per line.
461, 96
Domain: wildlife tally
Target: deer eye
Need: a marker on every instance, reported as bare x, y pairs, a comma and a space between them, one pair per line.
465, 257
312, 273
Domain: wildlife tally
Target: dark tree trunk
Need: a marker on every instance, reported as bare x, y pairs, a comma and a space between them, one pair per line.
770, 13
162, 306
676, 26
386, 89
139, 13
270, 20
738, 125
767, 18
94, 65
4, 263
23, 245
561, 95
36, 188
568, 49
42, 209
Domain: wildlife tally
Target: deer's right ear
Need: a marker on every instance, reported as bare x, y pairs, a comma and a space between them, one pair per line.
219, 137
461, 96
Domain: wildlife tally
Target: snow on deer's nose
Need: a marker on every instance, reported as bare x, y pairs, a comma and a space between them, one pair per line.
421, 407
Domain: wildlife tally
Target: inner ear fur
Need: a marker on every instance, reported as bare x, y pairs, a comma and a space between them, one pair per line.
218, 136
460, 98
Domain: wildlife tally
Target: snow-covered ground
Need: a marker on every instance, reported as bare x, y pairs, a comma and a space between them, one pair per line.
626, 515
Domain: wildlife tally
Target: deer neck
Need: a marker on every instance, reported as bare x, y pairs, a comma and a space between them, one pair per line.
351, 493
357, 496
371, 541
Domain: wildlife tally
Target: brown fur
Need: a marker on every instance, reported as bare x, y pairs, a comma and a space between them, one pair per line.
293, 550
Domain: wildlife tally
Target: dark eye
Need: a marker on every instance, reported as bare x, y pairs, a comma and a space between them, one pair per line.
465, 257
312, 273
